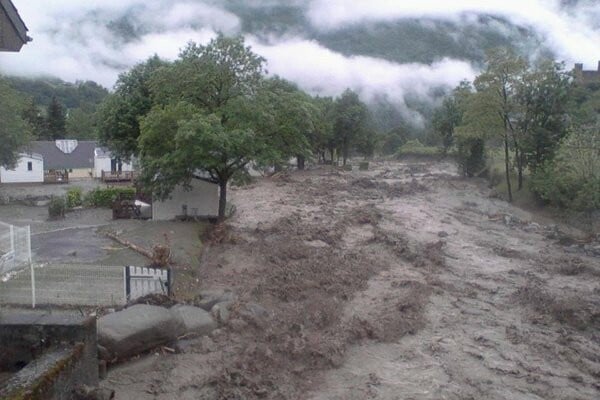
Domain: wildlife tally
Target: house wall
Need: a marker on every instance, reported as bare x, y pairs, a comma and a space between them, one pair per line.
80, 173
21, 174
202, 200
104, 164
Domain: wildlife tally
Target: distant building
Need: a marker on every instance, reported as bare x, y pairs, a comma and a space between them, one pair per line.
106, 166
586, 77
73, 156
29, 169
13, 32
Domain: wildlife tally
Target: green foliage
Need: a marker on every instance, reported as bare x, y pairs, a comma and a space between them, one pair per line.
81, 124
14, 131
572, 178
119, 114
104, 197
450, 114
57, 207
349, 125
415, 148
542, 97
470, 155
74, 197
55, 121
391, 141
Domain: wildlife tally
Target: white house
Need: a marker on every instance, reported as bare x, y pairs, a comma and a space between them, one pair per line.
29, 169
104, 161
201, 201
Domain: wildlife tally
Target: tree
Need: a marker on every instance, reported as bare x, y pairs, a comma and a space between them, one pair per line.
498, 85
120, 112
350, 117
449, 115
33, 115
81, 124
542, 121
14, 131
55, 120
180, 142
196, 126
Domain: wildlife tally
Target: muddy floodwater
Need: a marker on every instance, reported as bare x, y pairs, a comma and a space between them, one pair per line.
401, 282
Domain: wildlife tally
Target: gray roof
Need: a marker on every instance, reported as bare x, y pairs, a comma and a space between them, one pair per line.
54, 158
19, 30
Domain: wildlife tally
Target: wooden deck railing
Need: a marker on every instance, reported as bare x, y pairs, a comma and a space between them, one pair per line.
56, 177
124, 176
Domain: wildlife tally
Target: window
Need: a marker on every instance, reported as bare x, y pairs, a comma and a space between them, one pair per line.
29, 166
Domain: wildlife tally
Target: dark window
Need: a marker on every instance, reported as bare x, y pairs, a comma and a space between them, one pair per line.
29, 166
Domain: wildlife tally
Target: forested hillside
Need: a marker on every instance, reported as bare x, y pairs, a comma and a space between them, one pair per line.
56, 109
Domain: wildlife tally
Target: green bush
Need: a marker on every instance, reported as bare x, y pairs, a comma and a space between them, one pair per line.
104, 197
470, 155
415, 148
572, 179
74, 197
56, 207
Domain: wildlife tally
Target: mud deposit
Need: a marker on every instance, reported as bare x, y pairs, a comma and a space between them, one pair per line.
403, 282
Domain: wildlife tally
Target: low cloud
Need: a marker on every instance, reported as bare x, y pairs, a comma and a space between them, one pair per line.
572, 33
319, 70
98, 39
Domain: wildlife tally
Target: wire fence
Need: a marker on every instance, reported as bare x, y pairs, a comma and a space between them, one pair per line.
22, 282
68, 285
82, 285
15, 248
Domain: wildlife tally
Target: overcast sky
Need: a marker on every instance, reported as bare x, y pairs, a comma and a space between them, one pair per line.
71, 40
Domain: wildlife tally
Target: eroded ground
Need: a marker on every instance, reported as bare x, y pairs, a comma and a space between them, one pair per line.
402, 282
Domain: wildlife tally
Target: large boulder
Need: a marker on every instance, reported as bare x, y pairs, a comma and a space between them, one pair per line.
194, 319
137, 329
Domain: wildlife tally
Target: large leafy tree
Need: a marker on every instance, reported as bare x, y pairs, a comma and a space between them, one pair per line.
119, 114
497, 87
350, 122
196, 126
14, 130
449, 115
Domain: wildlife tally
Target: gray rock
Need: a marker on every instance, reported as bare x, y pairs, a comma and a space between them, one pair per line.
137, 329
194, 319
220, 311
442, 234
253, 310
207, 299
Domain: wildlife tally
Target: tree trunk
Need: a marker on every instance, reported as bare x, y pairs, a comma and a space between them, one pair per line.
301, 161
519, 161
222, 199
507, 167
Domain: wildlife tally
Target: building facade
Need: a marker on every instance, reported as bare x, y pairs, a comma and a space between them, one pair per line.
29, 169
586, 77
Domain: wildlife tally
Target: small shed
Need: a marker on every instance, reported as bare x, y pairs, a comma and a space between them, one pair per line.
201, 201
29, 169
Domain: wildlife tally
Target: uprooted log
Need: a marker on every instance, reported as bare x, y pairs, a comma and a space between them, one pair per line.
160, 254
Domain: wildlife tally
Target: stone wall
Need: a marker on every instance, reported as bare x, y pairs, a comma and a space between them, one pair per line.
49, 355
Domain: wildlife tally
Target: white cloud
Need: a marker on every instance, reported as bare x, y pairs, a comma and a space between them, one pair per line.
319, 70
72, 41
